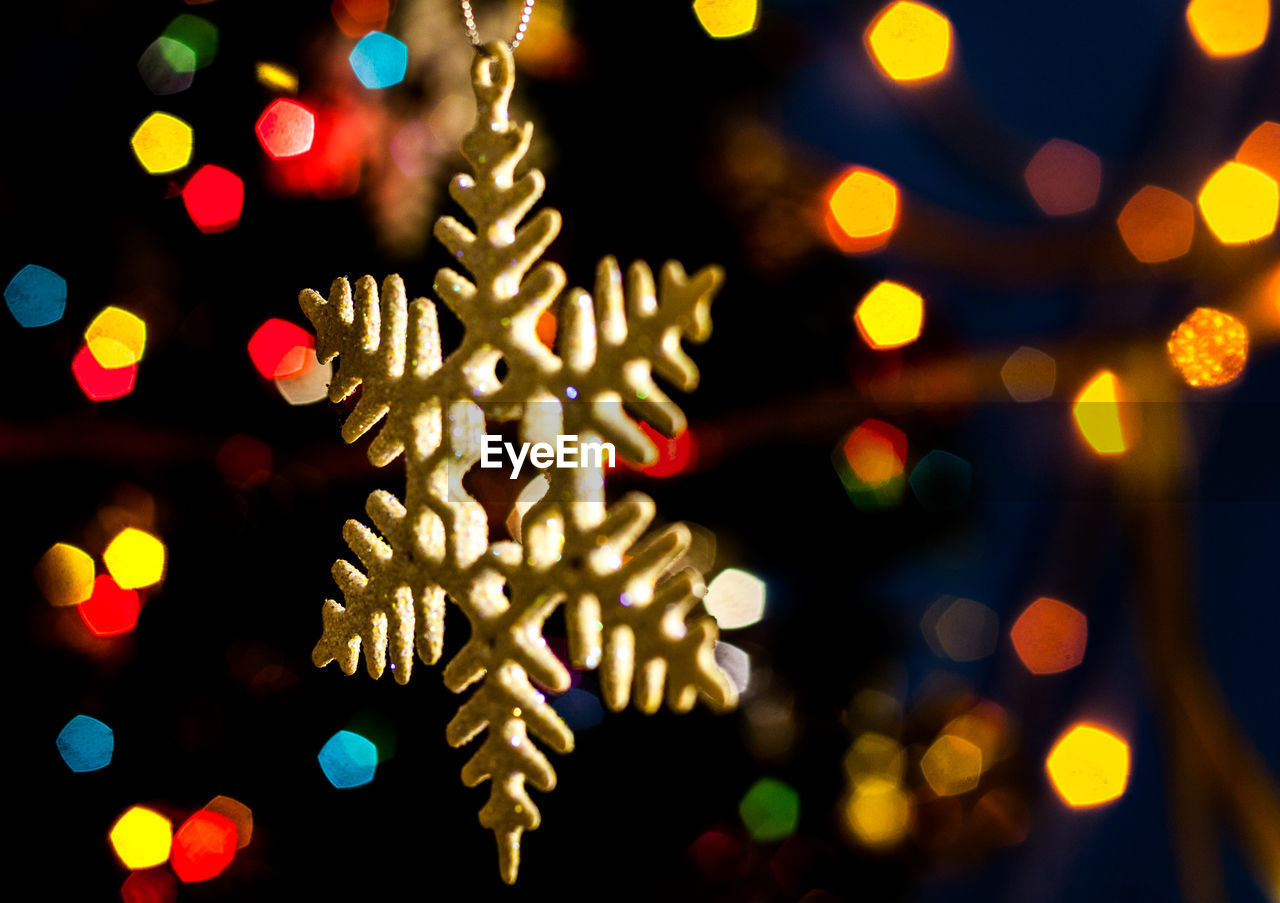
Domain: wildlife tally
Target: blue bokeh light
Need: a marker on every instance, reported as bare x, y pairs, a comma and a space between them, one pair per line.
86, 744
36, 296
379, 60
348, 760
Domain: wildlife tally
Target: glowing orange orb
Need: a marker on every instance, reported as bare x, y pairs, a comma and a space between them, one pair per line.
1209, 347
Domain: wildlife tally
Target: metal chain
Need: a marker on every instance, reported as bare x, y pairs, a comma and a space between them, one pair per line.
469, 21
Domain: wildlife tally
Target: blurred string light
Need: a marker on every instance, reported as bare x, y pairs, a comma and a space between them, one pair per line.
348, 760
1050, 637
100, 383
214, 198
65, 575
379, 60
941, 481
276, 77
1239, 203
167, 66
1261, 149
1157, 224
198, 34
727, 18
203, 846
1097, 415
110, 610
356, 18
116, 338
951, 766
1229, 27
135, 559
151, 885
86, 744
1064, 178
1029, 374
1088, 766
960, 629
890, 315
36, 296
309, 385
910, 42
141, 838
1209, 348
285, 129
280, 349
735, 599
240, 816
861, 210
770, 810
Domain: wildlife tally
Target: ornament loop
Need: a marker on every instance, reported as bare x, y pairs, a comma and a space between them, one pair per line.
493, 76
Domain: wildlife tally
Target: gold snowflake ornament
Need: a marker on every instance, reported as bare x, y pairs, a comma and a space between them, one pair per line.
632, 611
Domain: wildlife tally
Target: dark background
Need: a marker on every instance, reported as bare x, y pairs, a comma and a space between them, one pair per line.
638, 171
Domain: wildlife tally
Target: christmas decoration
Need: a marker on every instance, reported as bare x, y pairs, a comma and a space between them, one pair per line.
629, 611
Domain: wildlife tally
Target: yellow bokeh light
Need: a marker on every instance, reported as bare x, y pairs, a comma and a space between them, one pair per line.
1240, 203
735, 599
1088, 766
1209, 347
878, 813
1229, 27
727, 18
65, 575
890, 316
862, 210
116, 338
135, 558
910, 41
277, 77
162, 143
875, 757
1097, 415
952, 765
141, 838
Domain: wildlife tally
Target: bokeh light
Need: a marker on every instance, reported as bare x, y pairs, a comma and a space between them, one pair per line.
200, 35
36, 296
676, 454
1261, 149
141, 838
1240, 203
878, 814
735, 599
1209, 347
116, 338
1029, 374
110, 610
203, 847
135, 558
861, 210
348, 760
86, 744
1097, 415
1064, 178
162, 143
244, 462
285, 129
910, 41
986, 726
874, 756
1088, 766
1229, 27
279, 348
65, 574
960, 629
276, 77
150, 885
167, 66
357, 18
98, 382
214, 198
379, 60
1157, 224
240, 815
876, 452
951, 766
309, 385
770, 810
1050, 636
727, 18
941, 481
890, 316
736, 665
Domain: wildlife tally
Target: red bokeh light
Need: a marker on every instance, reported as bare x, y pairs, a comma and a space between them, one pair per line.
203, 846
286, 129
876, 451
110, 611
279, 348
214, 198
99, 383
675, 454
149, 886
331, 169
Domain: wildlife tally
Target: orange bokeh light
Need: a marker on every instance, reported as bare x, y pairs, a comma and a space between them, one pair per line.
861, 210
1064, 178
910, 41
890, 316
1261, 149
876, 452
1229, 27
1050, 636
1157, 224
